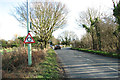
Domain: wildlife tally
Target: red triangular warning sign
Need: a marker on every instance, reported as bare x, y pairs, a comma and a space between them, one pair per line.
29, 39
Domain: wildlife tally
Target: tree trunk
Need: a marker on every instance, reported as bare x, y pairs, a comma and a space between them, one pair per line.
45, 44
41, 45
93, 41
98, 37
97, 28
118, 45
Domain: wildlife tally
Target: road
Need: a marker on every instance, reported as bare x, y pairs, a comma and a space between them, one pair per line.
79, 64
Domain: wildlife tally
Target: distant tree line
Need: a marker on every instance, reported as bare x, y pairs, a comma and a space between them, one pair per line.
10, 43
67, 37
17, 42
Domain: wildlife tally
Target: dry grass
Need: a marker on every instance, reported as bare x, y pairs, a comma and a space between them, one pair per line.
15, 63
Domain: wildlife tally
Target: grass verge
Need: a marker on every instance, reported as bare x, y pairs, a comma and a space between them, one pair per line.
50, 67
109, 54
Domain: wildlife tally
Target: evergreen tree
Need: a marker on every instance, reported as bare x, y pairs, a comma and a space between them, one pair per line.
116, 13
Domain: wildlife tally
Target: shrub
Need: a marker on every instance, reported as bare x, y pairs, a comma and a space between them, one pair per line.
14, 45
18, 58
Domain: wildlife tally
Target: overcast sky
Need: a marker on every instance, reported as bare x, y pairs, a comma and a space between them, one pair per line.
9, 26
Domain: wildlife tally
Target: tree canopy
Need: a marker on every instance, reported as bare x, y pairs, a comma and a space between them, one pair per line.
45, 17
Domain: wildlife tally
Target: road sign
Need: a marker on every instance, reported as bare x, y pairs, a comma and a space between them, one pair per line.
29, 39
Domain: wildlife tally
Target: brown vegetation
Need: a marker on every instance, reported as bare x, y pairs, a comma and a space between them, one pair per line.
15, 63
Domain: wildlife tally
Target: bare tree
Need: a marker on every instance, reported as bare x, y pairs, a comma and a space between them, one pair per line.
89, 20
84, 17
45, 17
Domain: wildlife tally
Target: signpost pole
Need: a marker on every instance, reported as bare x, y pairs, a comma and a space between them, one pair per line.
29, 45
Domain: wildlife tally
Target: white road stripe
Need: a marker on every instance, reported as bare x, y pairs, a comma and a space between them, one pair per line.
113, 69
90, 60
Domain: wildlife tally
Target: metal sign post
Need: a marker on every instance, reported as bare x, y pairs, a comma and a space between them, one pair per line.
0, 61
29, 45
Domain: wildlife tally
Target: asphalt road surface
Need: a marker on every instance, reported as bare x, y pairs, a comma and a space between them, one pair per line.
79, 64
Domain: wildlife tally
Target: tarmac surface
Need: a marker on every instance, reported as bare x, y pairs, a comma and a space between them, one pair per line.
79, 64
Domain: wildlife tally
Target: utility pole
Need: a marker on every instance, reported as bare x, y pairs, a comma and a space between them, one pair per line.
29, 45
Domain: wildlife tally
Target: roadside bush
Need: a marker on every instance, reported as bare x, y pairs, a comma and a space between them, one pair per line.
85, 42
18, 59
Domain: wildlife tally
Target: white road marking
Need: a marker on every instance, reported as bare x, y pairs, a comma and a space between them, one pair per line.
108, 67
113, 69
89, 60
